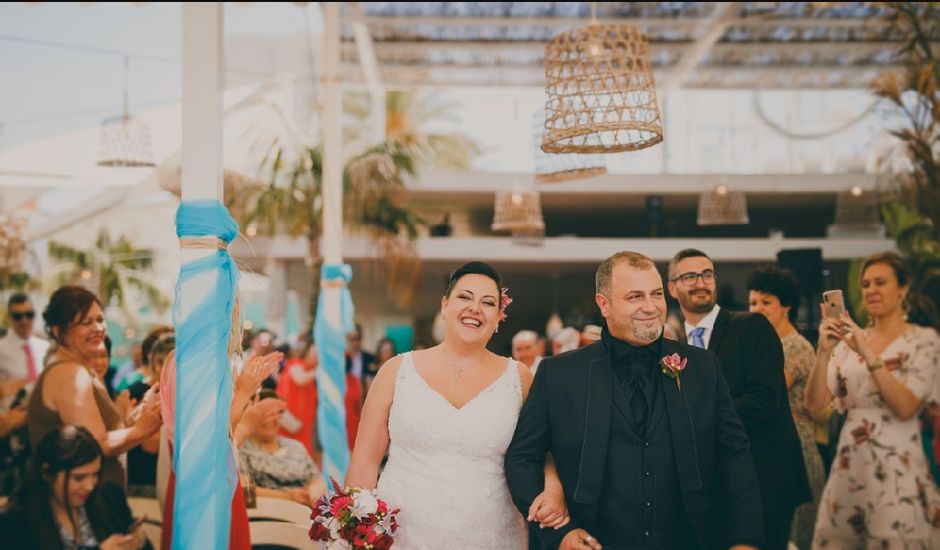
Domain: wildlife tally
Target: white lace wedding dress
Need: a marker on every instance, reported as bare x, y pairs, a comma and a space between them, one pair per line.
445, 466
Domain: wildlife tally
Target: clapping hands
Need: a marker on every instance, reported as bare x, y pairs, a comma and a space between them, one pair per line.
255, 371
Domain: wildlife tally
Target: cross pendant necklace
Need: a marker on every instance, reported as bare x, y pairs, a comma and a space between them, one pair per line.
457, 371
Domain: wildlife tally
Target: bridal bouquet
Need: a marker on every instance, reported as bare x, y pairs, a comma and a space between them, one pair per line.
353, 519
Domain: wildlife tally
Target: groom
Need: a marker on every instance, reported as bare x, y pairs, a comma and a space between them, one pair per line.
647, 460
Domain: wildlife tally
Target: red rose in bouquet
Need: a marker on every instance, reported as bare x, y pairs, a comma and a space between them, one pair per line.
353, 519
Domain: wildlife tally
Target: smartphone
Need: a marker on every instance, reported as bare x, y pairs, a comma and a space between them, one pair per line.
20, 398
833, 303
135, 525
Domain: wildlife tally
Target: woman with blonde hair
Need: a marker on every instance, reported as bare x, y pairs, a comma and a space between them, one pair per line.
879, 493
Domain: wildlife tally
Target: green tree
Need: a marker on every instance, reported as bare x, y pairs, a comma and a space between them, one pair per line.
374, 179
112, 268
912, 209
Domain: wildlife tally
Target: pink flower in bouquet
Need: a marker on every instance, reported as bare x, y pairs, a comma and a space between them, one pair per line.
353, 518
672, 366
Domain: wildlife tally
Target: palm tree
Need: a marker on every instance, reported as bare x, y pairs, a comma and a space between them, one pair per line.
111, 267
373, 183
912, 212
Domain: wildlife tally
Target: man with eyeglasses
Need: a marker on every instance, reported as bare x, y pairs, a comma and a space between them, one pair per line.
751, 358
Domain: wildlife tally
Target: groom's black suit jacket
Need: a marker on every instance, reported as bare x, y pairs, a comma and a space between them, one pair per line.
570, 411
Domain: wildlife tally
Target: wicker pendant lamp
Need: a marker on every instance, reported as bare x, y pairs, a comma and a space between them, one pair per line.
857, 208
599, 91
722, 206
125, 140
555, 167
518, 211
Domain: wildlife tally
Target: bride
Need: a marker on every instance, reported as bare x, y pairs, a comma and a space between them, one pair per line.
446, 416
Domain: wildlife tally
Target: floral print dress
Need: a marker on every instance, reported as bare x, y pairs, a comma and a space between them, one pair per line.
879, 493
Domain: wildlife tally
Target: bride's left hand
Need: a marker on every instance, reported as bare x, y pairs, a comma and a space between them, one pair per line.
549, 509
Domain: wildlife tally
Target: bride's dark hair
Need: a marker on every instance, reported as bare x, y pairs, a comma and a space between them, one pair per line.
473, 268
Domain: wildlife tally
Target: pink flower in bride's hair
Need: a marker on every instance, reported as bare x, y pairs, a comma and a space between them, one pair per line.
504, 301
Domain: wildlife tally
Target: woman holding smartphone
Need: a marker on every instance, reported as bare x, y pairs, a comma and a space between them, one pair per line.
62, 505
879, 493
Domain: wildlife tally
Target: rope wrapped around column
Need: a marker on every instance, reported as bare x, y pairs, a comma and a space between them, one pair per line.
330, 332
203, 458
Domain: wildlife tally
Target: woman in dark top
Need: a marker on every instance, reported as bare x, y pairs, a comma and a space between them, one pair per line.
62, 506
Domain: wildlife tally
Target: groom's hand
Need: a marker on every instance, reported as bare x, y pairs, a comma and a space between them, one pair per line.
579, 539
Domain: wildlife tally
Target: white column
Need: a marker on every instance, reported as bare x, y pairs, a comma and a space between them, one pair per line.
203, 69
332, 108
203, 64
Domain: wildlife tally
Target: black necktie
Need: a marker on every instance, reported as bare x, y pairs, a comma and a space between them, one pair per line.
636, 388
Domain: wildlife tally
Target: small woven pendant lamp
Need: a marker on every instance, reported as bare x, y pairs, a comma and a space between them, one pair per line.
518, 211
722, 206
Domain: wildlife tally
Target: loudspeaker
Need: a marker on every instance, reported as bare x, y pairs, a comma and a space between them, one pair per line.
808, 266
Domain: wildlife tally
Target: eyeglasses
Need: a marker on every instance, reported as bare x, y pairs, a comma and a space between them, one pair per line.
20, 315
689, 279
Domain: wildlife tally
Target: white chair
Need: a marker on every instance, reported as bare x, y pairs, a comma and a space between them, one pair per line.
278, 509
279, 533
146, 507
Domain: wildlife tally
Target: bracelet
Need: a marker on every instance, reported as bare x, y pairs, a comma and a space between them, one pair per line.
878, 365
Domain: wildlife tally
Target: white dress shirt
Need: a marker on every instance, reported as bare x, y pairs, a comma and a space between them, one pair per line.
13, 357
356, 365
707, 322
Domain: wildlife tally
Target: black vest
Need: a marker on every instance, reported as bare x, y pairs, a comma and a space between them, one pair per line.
641, 479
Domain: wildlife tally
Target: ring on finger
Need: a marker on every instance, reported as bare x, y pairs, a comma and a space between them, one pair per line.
588, 539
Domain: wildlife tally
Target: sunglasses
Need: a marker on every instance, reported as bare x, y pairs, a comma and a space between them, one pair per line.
20, 315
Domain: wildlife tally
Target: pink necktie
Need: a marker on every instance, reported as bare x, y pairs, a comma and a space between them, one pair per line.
30, 363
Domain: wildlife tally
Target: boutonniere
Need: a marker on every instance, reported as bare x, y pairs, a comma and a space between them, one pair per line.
672, 366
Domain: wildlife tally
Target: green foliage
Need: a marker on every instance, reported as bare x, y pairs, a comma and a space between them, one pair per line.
910, 212
111, 268
374, 181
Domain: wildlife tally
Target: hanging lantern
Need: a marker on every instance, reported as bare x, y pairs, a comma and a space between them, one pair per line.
857, 209
557, 167
722, 207
518, 211
599, 92
125, 140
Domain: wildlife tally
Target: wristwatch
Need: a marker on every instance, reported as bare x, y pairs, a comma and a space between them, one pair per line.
877, 365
